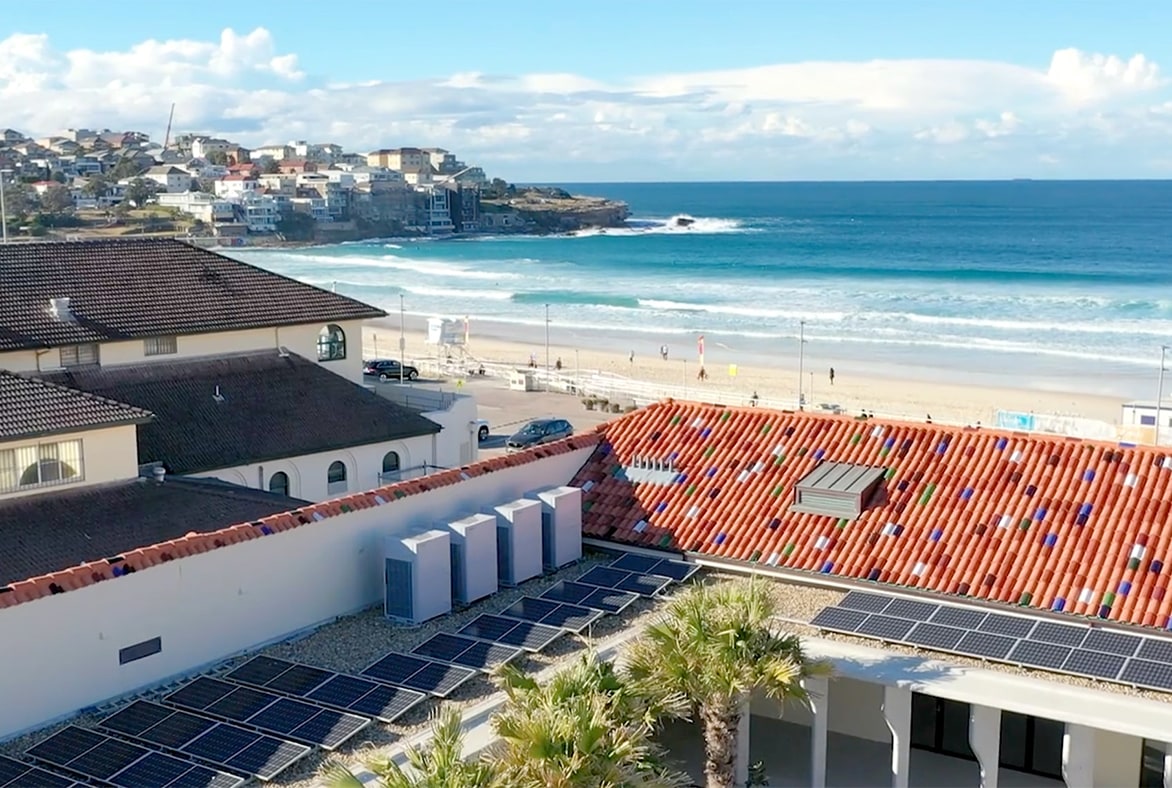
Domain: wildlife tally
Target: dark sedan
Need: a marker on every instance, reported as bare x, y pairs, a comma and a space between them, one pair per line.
389, 369
537, 432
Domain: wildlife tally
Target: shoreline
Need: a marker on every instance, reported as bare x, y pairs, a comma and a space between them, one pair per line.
735, 374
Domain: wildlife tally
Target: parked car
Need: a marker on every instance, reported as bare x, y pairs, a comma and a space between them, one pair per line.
537, 432
389, 369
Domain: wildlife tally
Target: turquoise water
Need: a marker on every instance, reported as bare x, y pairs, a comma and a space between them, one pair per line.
1064, 285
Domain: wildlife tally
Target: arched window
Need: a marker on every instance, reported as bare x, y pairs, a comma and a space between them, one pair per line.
46, 471
391, 462
336, 478
331, 343
279, 483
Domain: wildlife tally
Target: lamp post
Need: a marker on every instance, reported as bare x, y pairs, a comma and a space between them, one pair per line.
1160, 392
3, 207
402, 338
801, 357
547, 347
577, 373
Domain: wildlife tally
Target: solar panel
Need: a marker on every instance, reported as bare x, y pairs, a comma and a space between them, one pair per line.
1033, 653
606, 577
16, 774
1112, 642
959, 617
911, 609
1007, 626
931, 635
1062, 634
1155, 650
116, 762
986, 644
425, 675
677, 571
510, 632
885, 627
291, 719
1094, 663
339, 691
838, 619
1146, 673
634, 562
861, 600
546, 611
466, 651
605, 599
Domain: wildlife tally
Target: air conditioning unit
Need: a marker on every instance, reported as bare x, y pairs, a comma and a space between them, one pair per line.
518, 541
561, 525
473, 553
418, 573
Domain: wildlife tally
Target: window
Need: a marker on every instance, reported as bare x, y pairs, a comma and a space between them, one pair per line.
941, 726
391, 462
336, 478
160, 346
331, 343
1151, 767
41, 465
1032, 744
279, 482
79, 355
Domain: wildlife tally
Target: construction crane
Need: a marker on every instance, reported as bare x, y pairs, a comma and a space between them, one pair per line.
167, 136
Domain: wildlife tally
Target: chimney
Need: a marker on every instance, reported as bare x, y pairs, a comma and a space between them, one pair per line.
59, 309
217, 396
160, 473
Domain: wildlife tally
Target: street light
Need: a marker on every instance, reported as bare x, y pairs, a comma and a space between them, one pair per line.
402, 339
3, 207
801, 357
1160, 392
547, 347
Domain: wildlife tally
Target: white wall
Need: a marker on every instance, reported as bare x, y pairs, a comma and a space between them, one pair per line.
301, 340
107, 455
458, 443
1117, 758
213, 605
308, 473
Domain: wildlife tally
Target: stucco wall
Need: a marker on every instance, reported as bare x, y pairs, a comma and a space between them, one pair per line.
108, 455
308, 473
61, 651
457, 444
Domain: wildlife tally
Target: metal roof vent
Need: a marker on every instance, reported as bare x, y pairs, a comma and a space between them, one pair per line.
160, 473
60, 310
837, 489
283, 351
217, 396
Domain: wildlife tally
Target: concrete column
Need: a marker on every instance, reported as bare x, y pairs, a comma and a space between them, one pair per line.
818, 690
1167, 764
897, 711
985, 739
1078, 756
743, 727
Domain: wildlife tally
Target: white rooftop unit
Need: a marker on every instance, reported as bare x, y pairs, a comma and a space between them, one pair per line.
473, 553
561, 525
518, 541
418, 574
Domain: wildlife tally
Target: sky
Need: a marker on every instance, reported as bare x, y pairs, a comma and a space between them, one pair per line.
638, 90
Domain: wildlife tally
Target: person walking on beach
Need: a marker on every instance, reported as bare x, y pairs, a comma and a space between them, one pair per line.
558, 364
663, 352
832, 376
702, 374
753, 400
533, 360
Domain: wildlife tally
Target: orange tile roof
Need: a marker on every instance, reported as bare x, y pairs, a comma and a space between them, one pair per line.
1040, 521
195, 543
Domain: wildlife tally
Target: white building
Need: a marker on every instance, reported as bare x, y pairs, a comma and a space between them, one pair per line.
202, 146
261, 213
202, 206
234, 187
438, 214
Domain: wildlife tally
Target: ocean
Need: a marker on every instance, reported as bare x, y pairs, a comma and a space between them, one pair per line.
1057, 285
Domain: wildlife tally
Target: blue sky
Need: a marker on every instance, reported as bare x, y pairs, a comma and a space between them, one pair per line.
641, 90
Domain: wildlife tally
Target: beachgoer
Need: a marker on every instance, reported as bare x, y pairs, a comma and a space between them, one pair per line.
702, 374
533, 360
929, 418
663, 351
832, 376
632, 357
558, 364
753, 399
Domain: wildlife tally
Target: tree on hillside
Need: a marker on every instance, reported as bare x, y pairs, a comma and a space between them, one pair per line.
716, 645
56, 200
126, 168
96, 186
217, 157
138, 191
268, 165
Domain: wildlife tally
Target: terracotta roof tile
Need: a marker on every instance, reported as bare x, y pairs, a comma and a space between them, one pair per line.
1041, 521
195, 543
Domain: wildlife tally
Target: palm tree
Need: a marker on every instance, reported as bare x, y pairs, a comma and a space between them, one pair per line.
585, 728
442, 765
716, 645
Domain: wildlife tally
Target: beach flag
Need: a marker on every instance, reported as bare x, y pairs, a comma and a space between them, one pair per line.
732, 370
700, 349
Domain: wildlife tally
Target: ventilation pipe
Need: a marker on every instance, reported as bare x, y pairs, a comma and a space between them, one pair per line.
160, 473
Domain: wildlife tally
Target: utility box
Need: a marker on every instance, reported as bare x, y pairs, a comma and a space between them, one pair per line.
518, 541
561, 525
523, 380
418, 576
473, 554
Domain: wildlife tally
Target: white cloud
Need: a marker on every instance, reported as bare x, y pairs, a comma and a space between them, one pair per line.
883, 118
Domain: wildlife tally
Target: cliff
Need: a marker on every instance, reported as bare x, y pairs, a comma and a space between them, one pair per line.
551, 211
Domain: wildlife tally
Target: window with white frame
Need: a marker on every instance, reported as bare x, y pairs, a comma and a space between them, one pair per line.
160, 346
41, 465
336, 478
79, 355
331, 343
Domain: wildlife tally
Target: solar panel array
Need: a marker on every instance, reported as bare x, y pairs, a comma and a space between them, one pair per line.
420, 673
327, 688
116, 762
1073, 648
466, 651
18, 774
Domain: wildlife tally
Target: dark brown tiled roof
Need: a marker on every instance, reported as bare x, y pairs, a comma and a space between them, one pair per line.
37, 586
271, 407
131, 289
30, 408
50, 532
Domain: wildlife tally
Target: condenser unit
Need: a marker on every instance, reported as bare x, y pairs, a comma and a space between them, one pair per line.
418, 572
518, 541
473, 553
561, 525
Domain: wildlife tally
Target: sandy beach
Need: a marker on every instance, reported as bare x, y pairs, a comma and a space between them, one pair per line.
733, 379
